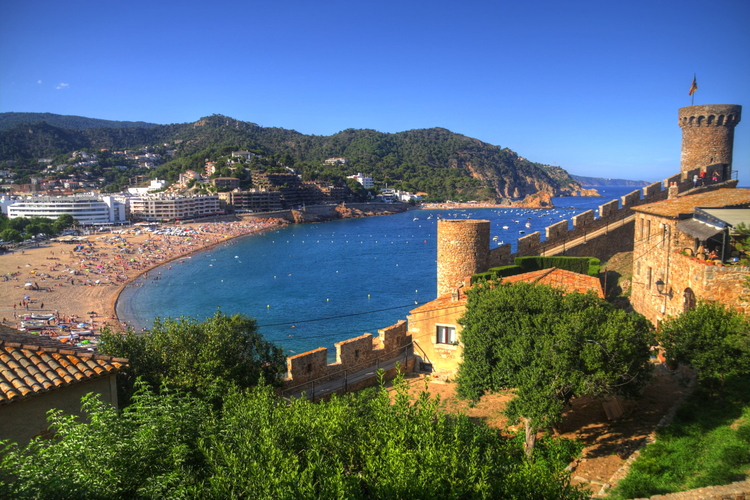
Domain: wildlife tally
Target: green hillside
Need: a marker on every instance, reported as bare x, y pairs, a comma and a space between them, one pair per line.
437, 161
11, 119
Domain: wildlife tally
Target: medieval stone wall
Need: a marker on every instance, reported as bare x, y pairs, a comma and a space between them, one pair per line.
351, 354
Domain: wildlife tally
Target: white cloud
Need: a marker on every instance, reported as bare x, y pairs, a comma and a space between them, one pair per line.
62, 86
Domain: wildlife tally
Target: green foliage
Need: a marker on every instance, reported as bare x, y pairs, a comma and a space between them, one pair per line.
359, 447
581, 265
498, 272
711, 338
206, 358
437, 161
707, 444
549, 346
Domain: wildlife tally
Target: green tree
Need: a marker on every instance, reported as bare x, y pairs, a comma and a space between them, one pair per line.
711, 338
362, 446
550, 347
63, 222
11, 234
206, 358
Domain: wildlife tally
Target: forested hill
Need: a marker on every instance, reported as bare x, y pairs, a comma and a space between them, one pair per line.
437, 161
11, 119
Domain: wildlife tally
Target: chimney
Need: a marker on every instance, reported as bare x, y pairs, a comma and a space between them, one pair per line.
672, 191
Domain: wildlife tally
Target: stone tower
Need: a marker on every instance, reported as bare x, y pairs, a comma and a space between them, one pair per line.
708, 136
463, 250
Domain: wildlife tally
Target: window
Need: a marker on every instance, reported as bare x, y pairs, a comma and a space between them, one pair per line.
648, 279
446, 334
648, 230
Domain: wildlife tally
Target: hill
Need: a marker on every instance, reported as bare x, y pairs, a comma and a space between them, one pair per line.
599, 181
437, 161
11, 119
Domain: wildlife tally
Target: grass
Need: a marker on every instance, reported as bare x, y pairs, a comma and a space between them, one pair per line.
707, 444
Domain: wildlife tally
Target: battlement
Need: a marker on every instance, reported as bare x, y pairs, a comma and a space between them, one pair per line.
558, 236
708, 136
352, 354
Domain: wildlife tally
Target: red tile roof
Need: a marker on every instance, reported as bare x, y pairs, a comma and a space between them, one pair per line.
32, 364
558, 278
686, 204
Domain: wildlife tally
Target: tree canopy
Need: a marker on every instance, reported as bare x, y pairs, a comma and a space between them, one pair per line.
550, 347
363, 446
206, 358
711, 338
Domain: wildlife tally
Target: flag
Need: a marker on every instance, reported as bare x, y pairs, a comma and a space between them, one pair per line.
693, 87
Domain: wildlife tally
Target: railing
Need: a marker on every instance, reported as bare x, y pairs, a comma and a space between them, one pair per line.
424, 354
345, 375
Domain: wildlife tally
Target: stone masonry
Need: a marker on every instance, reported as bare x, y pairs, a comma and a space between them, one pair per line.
708, 135
463, 250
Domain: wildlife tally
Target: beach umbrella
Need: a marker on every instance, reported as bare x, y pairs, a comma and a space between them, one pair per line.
27, 297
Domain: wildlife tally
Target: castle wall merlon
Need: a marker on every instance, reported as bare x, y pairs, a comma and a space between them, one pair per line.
556, 230
676, 179
500, 256
308, 365
582, 220
611, 207
529, 244
631, 199
394, 336
651, 190
356, 350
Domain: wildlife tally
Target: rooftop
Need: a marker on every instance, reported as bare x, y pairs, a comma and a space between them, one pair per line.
34, 364
558, 278
685, 205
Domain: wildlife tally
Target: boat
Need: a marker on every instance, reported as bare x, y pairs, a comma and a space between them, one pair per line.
46, 317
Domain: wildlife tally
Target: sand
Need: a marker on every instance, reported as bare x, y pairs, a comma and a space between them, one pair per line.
80, 283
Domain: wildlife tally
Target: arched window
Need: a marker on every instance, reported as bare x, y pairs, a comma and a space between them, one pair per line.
689, 297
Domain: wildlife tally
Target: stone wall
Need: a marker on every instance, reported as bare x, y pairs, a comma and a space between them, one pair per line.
463, 250
559, 236
658, 250
351, 354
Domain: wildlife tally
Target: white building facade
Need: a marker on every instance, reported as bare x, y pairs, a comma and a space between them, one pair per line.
87, 210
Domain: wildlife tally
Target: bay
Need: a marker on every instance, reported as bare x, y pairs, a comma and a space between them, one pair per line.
311, 285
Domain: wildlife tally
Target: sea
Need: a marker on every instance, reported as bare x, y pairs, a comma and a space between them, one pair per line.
312, 285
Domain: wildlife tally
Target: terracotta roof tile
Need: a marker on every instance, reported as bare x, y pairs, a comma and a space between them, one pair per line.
30, 365
558, 278
686, 204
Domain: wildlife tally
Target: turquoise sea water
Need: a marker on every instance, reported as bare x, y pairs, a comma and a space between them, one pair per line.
311, 285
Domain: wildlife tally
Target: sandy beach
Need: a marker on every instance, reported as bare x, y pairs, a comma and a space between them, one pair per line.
78, 283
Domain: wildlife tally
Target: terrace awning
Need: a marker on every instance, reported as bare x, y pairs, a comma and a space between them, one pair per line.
698, 229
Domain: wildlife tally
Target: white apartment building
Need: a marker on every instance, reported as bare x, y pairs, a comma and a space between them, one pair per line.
87, 210
156, 184
169, 207
365, 181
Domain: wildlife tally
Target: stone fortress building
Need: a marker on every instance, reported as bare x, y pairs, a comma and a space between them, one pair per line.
648, 222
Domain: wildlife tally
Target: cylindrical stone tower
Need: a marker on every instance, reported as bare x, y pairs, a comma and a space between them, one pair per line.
463, 250
708, 135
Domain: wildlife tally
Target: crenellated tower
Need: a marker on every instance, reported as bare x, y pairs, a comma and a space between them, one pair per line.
708, 136
463, 250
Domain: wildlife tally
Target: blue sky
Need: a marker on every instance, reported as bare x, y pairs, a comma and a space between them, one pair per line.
592, 86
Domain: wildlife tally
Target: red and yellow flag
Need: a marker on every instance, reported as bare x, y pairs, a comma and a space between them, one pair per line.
694, 86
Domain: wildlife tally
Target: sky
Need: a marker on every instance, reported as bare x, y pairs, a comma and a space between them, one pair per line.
591, 86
